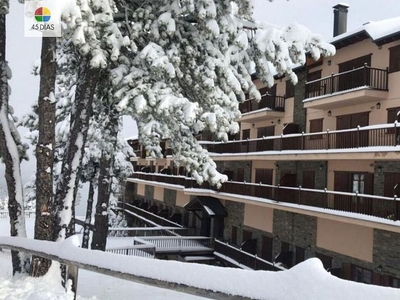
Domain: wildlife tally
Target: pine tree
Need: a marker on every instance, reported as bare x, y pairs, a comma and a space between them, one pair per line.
45, 151
190, 66
11, 151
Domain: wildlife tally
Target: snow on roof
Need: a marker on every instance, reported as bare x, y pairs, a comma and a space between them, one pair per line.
133, 137
375, 29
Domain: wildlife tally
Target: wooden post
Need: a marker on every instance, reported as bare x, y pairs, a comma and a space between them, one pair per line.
299, 199
72, 274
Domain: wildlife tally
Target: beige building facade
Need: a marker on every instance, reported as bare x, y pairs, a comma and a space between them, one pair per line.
315, 169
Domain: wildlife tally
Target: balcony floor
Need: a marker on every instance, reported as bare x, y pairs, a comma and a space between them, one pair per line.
345, 98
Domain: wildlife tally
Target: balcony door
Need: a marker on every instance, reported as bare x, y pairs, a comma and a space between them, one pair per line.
353, 182
263, 176
352, 139
264, 145
392, 184
267, 97
350, 80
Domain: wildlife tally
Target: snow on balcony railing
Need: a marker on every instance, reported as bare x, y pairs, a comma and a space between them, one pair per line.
380, 135
372, 205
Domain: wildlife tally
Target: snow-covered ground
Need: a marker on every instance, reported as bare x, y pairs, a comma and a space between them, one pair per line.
91, 285
307, 280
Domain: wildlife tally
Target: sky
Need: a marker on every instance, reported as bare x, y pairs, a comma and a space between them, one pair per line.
317, 15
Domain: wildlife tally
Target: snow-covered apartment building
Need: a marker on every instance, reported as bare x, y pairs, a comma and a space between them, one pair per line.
315, 170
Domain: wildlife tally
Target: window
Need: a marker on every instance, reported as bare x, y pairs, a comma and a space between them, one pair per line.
316, 126
361, 275
392, 117
394, 282
289, 89
394, 59
358, 183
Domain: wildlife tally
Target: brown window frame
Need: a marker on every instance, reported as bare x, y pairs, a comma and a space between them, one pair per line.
360, 274
394, 59
392, 117
316, 125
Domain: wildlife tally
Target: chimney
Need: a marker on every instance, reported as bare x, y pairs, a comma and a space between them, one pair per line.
340, 18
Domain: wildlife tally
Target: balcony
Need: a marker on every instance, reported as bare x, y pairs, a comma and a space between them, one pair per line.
372, 205
269, 107
382, 135
361, 85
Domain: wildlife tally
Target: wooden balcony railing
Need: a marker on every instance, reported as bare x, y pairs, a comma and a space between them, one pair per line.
273, 102
244, 258
376, 79
378, 206
382, 135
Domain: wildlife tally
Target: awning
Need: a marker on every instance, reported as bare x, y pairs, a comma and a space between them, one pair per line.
211, 206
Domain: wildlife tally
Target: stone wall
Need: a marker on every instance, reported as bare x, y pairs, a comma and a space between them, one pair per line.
295, 229
234, 165
149, 192
320, 168
297, 167
379, 177
169, 197
387, 252
235, 217
285, 166
299, 112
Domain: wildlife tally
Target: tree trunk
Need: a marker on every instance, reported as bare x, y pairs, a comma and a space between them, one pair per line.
67, 185
10, 155
103, 195
106, 173
45, 152
88, 219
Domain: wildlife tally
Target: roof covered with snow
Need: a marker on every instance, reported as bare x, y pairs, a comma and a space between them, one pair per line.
380, 32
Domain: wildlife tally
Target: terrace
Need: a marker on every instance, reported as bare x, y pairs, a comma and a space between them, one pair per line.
361, 85
371, 205
382, 135
269, 107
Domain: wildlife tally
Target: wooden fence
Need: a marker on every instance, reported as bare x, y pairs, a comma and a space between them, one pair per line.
383, 135
102, 267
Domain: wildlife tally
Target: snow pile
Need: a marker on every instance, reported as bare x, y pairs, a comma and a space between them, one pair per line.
307, 280
46, 288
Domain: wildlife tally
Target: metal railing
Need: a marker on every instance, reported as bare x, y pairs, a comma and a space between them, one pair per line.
101, 265
155, 219
378, 206
273, 102
28, 214
136, 250
244, 258
382, 135
177, 243
148, 231
365, 76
